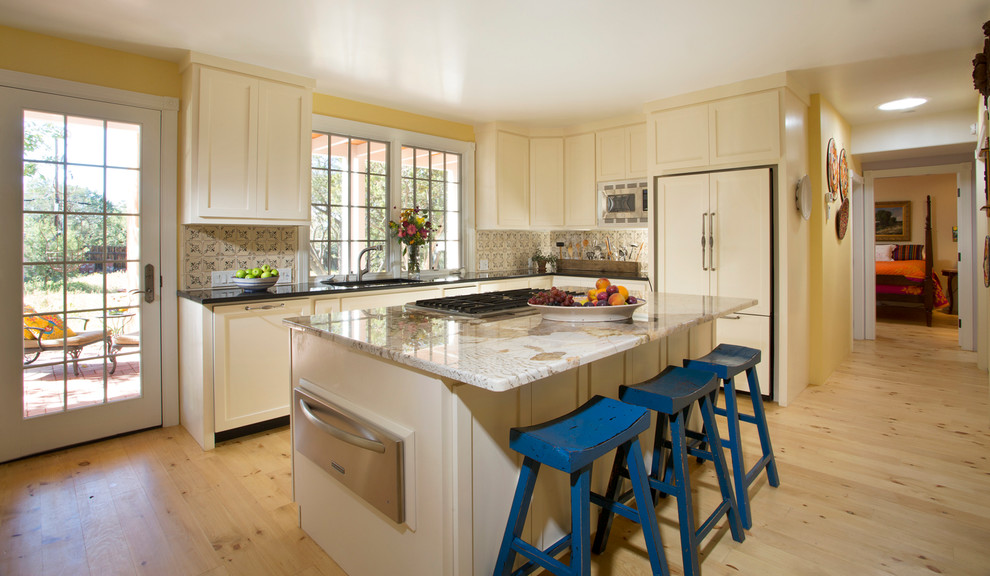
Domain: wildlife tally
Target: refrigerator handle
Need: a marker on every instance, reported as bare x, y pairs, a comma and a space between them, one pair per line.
704, 264
711, 241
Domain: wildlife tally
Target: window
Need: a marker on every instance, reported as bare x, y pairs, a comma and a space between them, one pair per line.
364, 175
350, 204
431, 181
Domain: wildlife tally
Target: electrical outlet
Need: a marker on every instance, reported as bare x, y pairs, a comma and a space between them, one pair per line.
220, 278
482, 264
285, 276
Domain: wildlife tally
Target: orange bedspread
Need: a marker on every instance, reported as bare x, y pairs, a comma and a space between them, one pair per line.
912, 270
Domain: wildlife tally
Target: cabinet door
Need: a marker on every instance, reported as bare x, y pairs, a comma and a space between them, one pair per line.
512, 180
251, 361
610, 153
635, 151
740, 204
752, 332
580, 191
683, 205
745, 129
284, 136
499, 285
326, 305
385, 299
680, 138
227, 167
546, 181
461, 290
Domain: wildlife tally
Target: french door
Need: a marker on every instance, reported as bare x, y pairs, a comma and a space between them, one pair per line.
79, 214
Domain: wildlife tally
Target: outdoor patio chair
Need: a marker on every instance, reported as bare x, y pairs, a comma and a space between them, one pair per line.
46, 333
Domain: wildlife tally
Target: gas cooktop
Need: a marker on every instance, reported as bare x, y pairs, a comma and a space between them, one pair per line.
479, 305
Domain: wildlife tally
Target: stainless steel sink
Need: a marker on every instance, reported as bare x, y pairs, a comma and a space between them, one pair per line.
369, 283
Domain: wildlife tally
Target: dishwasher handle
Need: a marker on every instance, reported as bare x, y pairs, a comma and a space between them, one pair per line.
342, 435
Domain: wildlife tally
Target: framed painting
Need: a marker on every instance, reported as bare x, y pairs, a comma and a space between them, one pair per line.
893, 221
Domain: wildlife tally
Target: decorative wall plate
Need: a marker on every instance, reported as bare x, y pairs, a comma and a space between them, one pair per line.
986, 262
842, 219
843, 175
832, 169
802, 196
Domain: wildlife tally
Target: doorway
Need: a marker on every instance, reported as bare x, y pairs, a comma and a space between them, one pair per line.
81, 198
953, 248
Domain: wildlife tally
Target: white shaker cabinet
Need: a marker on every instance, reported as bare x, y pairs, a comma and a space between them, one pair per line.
621, 153
546, 182
502, 197
251, 361
737, 131
580, 203
246, 148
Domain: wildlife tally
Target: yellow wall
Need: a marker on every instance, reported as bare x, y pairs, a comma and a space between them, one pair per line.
371, 114
32, 53
830, 258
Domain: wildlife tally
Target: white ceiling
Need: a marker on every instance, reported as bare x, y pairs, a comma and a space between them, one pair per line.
552, 61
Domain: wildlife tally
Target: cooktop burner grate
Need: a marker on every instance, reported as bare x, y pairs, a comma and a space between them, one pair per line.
477, 305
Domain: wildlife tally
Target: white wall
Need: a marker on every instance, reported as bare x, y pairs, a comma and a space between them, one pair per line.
909, 132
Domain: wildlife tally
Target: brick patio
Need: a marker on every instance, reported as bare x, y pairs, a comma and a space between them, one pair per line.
46, 386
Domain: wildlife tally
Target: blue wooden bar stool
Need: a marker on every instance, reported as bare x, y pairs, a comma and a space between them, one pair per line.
671, 395
571, 444
726, 361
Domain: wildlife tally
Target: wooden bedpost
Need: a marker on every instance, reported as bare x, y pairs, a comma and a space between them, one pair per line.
929, 285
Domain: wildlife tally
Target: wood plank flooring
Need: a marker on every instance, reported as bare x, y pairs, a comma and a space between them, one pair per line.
884, 470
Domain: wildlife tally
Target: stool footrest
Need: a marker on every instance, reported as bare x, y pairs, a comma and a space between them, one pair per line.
541, 559
707, 526
618, 507
757, 469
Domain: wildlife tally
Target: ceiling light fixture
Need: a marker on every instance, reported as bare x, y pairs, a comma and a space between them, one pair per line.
903, 104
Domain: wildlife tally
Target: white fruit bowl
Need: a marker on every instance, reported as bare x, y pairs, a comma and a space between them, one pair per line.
588, 313
255, 284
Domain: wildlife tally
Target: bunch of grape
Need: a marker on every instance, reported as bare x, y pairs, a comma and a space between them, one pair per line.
555, 297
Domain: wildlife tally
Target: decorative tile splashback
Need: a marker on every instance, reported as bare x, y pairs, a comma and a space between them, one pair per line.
207, 248
512, 249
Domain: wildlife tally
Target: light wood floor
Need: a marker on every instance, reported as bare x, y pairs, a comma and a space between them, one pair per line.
885, 470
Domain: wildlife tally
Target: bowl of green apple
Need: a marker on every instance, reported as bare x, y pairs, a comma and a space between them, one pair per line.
256, 279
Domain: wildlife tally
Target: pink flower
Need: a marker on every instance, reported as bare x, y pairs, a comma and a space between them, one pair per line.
410, 229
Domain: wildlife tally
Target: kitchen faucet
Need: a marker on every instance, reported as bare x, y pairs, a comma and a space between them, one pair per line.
363, 271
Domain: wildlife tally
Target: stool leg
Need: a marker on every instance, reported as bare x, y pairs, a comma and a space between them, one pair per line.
721, 468
517, 516
581, 522
612, 495
682, 490
734, 444
647, 515
760, 416
660, 467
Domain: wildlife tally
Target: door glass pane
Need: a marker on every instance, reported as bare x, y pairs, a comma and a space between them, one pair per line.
80, 263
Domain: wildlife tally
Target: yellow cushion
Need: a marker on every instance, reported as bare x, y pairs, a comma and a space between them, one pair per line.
57, 328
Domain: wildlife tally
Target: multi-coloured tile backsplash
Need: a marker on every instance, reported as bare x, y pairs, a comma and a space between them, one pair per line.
512, 249
206, 249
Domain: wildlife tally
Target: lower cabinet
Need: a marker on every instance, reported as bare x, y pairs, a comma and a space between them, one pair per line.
251, 362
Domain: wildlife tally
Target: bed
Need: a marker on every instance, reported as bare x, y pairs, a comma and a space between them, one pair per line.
906, 276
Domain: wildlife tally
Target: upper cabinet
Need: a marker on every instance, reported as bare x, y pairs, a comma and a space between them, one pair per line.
580, 189
502, 194
738, 131
546, 182
621, 153
246, 147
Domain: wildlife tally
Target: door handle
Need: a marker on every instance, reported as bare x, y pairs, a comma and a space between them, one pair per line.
149, 284
711, 241
703, 262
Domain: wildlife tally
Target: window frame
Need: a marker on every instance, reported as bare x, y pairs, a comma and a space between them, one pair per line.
397, 138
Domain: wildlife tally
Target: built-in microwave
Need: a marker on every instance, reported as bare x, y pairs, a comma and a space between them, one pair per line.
623, 203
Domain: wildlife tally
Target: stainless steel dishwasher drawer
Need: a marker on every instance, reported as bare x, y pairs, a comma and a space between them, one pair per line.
362, 456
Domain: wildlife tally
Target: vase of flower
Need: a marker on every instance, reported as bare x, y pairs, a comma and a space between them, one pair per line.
412, 265
413, 230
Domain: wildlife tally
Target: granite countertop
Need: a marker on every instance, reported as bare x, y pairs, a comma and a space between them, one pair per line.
503, 353
233, 294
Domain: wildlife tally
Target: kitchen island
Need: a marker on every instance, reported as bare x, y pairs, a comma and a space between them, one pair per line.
450, 388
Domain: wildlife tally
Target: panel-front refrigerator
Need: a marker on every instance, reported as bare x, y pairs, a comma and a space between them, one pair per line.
714, 236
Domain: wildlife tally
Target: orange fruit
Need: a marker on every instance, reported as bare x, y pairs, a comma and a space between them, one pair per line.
602, 283
616, 300
593, 294
624, 291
